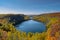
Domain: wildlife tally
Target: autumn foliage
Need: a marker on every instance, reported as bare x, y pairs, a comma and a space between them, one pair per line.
9, 32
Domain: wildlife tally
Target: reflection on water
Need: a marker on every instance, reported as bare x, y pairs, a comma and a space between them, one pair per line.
31, 26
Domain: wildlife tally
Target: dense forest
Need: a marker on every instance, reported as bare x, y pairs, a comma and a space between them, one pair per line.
9, 32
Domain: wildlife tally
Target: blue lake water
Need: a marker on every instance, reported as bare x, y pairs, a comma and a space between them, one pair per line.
31, 26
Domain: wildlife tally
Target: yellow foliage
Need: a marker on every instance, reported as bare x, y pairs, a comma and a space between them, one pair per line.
13, 34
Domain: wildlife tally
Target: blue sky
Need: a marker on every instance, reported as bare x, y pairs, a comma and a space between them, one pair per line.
29, 6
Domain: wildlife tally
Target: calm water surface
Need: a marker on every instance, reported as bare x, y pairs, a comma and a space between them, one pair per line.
31, 26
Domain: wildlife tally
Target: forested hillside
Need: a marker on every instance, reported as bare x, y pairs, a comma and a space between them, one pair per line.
9, 32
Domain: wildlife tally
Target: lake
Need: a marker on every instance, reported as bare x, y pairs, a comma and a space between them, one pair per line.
31, 26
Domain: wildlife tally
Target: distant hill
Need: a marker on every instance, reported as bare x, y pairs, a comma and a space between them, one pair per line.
46, 17
52, 14
18, 18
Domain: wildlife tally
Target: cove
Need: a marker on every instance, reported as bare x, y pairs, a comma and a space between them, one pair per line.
31, 26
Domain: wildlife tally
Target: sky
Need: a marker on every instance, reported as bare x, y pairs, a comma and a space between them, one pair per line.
29, 7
